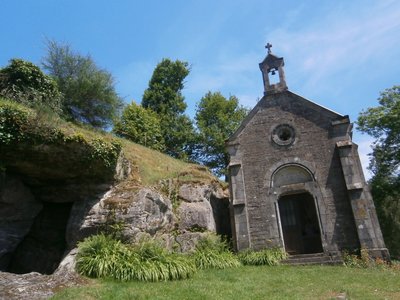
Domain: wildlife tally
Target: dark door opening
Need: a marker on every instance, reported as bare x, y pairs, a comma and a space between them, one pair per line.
299, 222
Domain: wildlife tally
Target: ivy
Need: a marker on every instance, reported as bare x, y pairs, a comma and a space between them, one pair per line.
19, 124
105, 151
13, 119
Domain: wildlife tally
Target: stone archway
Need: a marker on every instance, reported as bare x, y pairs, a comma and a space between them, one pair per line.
298, 212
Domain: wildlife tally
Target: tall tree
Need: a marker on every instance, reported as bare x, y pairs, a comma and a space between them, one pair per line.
24, 82
89, 94
164, 96
383, 123
216, 119
140, 125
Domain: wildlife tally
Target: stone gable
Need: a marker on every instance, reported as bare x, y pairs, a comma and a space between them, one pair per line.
296, 179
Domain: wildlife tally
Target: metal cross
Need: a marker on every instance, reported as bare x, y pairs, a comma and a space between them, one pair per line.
269, 46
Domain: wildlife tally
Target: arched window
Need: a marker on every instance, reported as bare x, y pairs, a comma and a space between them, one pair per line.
291, 174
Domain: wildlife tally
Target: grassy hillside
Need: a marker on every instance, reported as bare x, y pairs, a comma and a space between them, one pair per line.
29, 137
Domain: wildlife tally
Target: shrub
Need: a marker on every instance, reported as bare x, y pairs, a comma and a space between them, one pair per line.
20, 124
213, 242
24, 82
270, 257
141, 126
364, 260
101, 256
13, 120
213, 252
209, 259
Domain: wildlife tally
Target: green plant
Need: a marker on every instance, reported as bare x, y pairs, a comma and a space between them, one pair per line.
164, 96
89, 94
212, 242
107, 152
141, 126
270, 257
101, 256
20, 124
215, 260
113, 226
13, 121
363, 260
212, 252
24, 82
217, 118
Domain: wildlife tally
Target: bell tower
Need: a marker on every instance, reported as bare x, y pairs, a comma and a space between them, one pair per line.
269, 66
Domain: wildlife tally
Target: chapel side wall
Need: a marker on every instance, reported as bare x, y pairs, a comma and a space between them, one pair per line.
313, 145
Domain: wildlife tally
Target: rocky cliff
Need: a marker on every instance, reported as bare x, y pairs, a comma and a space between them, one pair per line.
60, 183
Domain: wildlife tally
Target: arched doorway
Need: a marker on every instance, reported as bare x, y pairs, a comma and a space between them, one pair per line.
297, 209
300, 225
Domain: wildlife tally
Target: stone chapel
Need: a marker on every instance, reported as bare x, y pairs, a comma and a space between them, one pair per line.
296, 179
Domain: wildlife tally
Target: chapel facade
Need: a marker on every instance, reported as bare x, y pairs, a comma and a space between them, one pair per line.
296, 179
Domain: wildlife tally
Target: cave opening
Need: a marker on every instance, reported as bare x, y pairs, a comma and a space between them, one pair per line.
221, 213
42, 249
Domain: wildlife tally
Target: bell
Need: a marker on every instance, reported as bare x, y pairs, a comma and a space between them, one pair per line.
273, 72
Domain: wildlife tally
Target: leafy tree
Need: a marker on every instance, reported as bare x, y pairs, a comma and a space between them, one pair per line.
216, 119
386, 194
164, 96
383, 123
24, 82
89, 94
140, 125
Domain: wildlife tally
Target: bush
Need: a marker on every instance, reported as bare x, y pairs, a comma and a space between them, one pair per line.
364, 260
20, 124
270, 257
209, 259
213, 252
13, 119
141, 126
212, 242
101, 256
24, 82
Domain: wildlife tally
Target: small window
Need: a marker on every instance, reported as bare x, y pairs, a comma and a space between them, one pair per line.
283, 135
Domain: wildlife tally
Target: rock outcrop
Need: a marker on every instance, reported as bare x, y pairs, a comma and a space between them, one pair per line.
40, 223
18, 209
60, 185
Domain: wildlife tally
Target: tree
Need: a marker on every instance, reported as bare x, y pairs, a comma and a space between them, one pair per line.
164, 96
24, 82
89, 94
141, 126
383, 123
216, 119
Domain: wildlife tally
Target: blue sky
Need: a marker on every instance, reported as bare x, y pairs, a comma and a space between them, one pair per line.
340, 54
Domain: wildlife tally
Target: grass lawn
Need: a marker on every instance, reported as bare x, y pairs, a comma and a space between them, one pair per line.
281, 282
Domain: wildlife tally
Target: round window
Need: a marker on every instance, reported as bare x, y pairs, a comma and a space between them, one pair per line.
283, 135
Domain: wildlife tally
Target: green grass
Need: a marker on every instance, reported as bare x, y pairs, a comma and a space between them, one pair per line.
23, 125
249, 282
